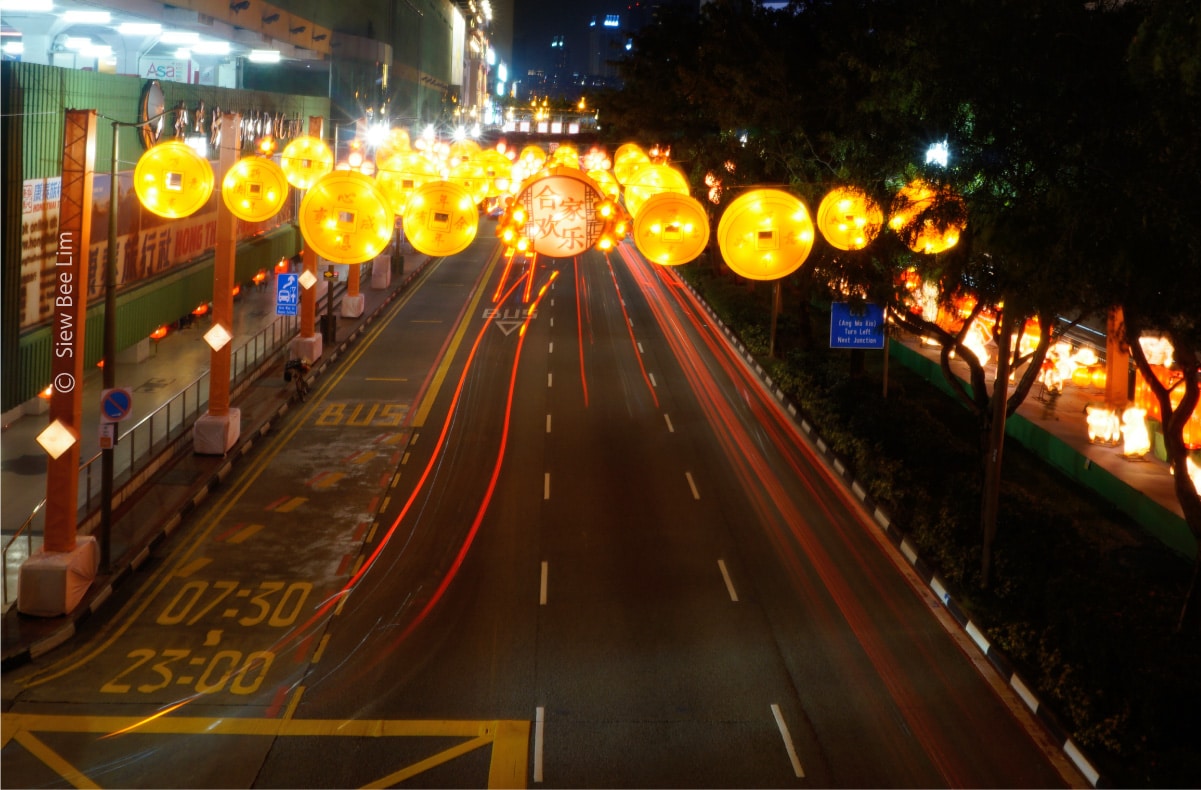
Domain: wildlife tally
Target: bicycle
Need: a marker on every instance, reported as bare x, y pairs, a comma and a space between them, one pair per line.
297, 371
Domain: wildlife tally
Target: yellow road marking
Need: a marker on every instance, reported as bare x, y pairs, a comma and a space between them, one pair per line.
328, 480
53, 760
291, 504
244, 533
509, 739
363, 457
187, 570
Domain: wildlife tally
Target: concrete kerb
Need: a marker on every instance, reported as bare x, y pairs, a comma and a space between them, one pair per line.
900, 541
97, 598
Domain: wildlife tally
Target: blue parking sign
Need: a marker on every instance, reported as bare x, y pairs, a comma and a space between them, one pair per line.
287, 293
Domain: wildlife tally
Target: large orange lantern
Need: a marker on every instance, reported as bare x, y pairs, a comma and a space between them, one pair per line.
441, 218
910, 201
172, 180
306, 159
399, 174
566, 155
345, 218
499, 171
671, 229
565, 212
462, 151
254, 189
765, 234
397, 142
533, 155
651, 179
848, 218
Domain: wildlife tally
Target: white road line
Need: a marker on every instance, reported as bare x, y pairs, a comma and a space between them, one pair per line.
641, 350
548, 423
552, 321
652, 378
691, 484
539, 723
725, 574
551, 350
550, 377
546, 486
670, 428
796, 762
542, 589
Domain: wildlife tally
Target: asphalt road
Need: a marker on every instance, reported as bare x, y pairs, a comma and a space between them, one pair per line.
538, 527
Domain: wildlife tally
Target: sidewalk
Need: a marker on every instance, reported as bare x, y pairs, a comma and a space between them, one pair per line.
162, 503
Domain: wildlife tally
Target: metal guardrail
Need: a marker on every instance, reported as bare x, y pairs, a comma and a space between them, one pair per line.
139, 446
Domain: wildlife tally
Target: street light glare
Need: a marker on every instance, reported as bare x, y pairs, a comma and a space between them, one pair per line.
938, 154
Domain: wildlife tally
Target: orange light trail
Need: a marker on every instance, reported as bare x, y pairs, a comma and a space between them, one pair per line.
580, 286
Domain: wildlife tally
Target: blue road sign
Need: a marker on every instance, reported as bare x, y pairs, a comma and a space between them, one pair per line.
287, 293
115, 404
856, 330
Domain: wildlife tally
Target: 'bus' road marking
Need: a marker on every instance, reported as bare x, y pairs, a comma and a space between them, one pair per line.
542, 590
725, 574
539, 722
796, 762
692, 484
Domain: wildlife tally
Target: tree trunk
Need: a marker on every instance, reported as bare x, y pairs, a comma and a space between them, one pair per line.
994, 443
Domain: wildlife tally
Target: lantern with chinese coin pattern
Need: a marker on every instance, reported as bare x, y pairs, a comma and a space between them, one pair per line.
765, 234
172, 180
345, 218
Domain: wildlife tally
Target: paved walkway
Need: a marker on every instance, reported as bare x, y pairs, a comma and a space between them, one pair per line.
162, 503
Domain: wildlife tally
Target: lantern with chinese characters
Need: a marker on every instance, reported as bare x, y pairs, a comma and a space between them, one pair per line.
848, 218
441, 218
765, 234
652, 179
671, 229
172, 180
345, 218
306, 159
254, 189
400, 174
565, 212
910, 202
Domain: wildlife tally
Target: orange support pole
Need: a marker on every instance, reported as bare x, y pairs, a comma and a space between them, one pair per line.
54, 580
308, 344
216, 431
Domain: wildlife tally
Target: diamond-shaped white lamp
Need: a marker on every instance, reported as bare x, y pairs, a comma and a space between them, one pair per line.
307, 280
57, 439
217, 337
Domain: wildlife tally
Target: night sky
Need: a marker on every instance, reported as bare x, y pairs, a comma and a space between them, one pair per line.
536, 22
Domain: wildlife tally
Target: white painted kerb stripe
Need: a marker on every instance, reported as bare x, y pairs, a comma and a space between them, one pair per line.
796, 762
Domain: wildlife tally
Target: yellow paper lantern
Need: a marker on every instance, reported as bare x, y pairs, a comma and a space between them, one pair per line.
254, 189
306, 159
397, 142
400, 174
607, 183
471, 176
848, 218
441, 218
565, 155
627, 158
533, 155
563, 212
910, 201
345, 218
652, 179
498, 170
462, 151
765, 234
671, 229
172, 180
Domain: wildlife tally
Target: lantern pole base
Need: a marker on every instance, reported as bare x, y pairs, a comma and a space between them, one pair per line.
306, 348
381, 271
52, 583
216, 434
352, 306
